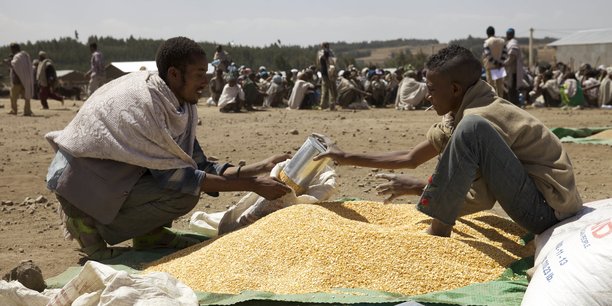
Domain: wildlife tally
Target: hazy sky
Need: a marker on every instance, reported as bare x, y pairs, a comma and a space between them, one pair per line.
306, 22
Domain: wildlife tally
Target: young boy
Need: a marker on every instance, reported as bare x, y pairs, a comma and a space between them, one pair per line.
490, 150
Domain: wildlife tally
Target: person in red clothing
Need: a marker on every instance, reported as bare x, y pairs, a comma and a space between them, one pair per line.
46, 77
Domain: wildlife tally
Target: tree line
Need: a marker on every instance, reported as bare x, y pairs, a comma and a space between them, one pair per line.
70, 54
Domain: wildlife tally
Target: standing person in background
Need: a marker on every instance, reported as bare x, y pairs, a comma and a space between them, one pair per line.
22, 81
223, 58
326, 59
494, 55
514, 67
46, 77
96, 72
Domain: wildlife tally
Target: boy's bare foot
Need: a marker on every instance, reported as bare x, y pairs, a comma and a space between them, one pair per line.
437, 228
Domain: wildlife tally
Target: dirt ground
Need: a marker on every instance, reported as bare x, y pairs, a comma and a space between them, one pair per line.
31, 230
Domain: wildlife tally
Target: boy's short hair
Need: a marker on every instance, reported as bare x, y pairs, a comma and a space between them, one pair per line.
177, 52
458, 63
94, 46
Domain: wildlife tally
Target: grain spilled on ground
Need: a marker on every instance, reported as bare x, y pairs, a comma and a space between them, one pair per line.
370, 245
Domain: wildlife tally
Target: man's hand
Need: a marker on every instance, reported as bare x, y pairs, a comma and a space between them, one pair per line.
399, 185
270, 187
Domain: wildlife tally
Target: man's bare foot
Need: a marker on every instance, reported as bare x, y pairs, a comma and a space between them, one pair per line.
438, 228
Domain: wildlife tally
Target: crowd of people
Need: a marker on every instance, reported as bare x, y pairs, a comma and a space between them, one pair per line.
326, 86
560, 86
549, 85
322, 86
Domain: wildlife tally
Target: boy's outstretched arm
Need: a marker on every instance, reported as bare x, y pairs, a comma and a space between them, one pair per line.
411, 159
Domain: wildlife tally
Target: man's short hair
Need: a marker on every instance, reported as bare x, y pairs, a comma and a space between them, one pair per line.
94, 46
177, 52
491, 31
458, 63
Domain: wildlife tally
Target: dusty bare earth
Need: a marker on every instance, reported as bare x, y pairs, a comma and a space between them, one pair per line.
32, 231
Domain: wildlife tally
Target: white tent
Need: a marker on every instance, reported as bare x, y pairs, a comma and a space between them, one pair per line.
117, 69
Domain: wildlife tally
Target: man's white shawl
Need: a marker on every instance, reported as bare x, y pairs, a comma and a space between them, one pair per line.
135, 120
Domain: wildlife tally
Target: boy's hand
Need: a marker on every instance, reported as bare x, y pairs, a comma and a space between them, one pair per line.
260, 167
271, 161
399, 185
270, 187
333, 151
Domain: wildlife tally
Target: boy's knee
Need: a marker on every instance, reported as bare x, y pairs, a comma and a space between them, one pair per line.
473, 124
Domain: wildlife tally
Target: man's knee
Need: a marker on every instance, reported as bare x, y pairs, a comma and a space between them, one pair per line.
183, 204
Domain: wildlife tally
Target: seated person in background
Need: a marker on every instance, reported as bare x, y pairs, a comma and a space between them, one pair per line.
299, 91
590, 84
605, 89
411, 93
216, 86
349, 93
377, 90
252, 95
232, 97
275, 93
490, 150
130, 177
393, 80
571, 92
549, 89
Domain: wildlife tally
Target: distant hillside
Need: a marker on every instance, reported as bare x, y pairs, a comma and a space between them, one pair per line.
387, 56
415, 54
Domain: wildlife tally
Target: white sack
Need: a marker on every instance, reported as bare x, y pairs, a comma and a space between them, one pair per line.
253, 207
573, 261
